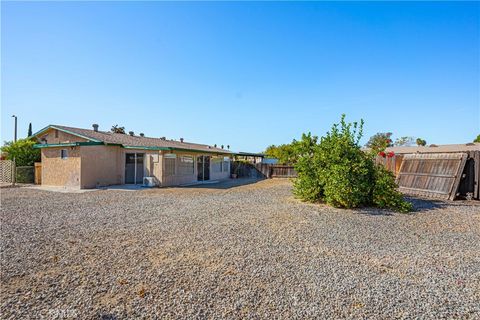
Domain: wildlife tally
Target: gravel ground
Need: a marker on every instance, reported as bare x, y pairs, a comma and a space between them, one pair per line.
243, 252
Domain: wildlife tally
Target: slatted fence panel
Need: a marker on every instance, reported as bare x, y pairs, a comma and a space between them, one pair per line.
279, 171
38, 173
431, 175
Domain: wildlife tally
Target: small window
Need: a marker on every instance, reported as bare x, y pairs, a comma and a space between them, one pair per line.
56, 133
216, 165
63, 154
226, 166
186, 165
170, 160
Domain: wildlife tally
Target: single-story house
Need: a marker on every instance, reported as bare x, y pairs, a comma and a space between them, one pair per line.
83, 158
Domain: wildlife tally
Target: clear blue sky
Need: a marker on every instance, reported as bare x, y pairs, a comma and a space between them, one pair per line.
244, 74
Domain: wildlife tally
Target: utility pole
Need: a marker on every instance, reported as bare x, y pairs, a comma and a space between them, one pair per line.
15, 132
14, 178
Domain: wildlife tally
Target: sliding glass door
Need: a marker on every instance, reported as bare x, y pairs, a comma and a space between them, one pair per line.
203, 168
134, 168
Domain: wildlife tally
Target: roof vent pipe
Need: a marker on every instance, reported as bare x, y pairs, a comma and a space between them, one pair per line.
181, 139
95, 127
131, 133
142, 135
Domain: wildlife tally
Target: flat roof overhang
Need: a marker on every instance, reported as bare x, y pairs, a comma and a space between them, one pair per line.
92, 143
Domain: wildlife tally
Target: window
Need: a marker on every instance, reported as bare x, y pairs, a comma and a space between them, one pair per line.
217, 165
63, 154
154, 158
226, 166
56, 133
186, 165
170, 160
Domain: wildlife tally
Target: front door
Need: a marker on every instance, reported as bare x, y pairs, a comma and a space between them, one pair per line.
203, 168
134, 168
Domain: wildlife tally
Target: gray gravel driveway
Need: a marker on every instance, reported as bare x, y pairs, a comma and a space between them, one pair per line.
250, 251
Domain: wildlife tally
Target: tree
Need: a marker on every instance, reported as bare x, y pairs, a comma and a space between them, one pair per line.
421, 142
404, 141
477, 139
337, 172
29, 130
117, 129
285, 153
22, 151
380, 141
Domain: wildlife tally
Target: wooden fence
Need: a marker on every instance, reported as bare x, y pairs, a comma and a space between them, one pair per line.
469, 174
276, 170
38, 173
432, 175
391, 163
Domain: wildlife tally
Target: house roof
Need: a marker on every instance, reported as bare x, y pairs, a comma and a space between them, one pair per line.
129, 141
436, 148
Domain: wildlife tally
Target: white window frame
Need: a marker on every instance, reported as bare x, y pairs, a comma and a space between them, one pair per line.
171, 156
181, 166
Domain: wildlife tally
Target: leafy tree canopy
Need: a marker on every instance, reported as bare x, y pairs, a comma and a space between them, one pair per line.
117, 129
421, 142
380, 141
29, 130
477, 139
285, 153
22, 151
404, 141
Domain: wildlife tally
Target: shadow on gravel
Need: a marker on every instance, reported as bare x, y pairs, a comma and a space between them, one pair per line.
419, 205
223, 185
108, 317
374, 211
422, 205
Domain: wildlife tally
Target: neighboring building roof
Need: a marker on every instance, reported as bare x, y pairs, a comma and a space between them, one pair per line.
129, 141
250, 154
436, 148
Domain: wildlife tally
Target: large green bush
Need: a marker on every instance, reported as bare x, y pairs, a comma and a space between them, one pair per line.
22, 151
285, 153
337, 172
385, 194
307, 186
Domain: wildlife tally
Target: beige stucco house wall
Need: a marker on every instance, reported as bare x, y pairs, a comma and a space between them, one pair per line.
54, 136
101, 166
61, 172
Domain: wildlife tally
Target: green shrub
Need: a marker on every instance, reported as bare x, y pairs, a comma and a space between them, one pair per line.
385, 194
22, 151
337, 172
307, 186
345, 171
